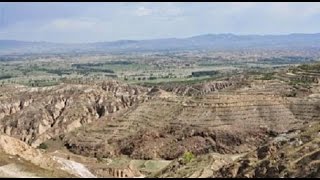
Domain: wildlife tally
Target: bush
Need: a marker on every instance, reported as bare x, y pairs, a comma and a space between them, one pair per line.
43, 146
204, 73
267, 76
188, 157
152, 78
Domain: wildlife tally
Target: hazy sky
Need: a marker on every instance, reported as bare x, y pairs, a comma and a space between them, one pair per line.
98, 21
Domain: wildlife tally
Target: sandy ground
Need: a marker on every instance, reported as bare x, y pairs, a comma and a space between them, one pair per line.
75, 168
13, 170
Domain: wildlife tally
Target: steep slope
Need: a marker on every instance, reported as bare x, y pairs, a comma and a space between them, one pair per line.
226, 125
294, 154
20, 160
229, 121
37, 114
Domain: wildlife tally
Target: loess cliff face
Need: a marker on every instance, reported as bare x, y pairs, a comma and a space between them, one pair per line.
288, 155
230, 121
294, 154
18, 159
218, 121
38, 114
202, 88
198, 89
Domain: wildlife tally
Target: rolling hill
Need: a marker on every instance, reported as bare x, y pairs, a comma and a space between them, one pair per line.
201, 42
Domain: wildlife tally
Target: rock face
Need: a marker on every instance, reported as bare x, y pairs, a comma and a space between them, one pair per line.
295, 156
202, 166
124, 173
202, 88
172, 142
12, 146
198, 89
55, 166
35, 116
34, 158
225, 122
112, 119
292, 154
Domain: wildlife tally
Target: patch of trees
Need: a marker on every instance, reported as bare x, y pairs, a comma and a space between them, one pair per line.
42, 83
204, 73
51, 71
111, 75
119, 62
152, 78
70, 71
84, 71
85, 68
310, 67
59, 72
145, 78
141, 78
285, 60
5, 77
85, 65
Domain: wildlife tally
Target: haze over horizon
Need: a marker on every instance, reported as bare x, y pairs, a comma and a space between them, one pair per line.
151, 39
97, 22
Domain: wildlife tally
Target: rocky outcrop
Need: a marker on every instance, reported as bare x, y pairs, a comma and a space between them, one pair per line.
223, 122
204, 87
292, 154
119, 89
95, 148
200, 167
295, 156
57, 166
197, 89
11, 106
51, 112
124, 172
114, 119
12, 146
171, 142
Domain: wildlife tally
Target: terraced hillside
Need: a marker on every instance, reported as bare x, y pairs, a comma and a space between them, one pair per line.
292, 153
228, 121
121, 130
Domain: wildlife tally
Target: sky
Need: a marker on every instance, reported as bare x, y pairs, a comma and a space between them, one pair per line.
83, 22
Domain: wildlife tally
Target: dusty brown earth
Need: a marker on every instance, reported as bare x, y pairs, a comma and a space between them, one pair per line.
240, 127
230, 121
295, 154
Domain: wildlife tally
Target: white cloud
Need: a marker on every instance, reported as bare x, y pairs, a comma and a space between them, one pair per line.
143, 11
111, 21
158, 10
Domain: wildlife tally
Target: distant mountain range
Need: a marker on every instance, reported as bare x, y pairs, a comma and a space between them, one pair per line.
201, 42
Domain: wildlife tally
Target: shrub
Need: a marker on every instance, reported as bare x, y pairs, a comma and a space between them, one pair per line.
43, 146
188, 157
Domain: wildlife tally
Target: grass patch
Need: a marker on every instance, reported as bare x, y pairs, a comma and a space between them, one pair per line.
268, 76
43, 146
